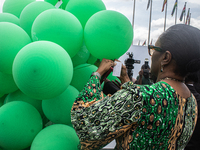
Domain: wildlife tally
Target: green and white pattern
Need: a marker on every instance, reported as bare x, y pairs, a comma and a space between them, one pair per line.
138, 117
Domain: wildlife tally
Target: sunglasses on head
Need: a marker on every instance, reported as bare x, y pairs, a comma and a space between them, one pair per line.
152, 49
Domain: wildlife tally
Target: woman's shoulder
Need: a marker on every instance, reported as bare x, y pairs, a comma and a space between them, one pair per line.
159, 86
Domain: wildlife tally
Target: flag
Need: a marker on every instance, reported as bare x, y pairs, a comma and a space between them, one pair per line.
189, 19
144, 43
183, 12
175, 6
148, 4
165, 2
188, 15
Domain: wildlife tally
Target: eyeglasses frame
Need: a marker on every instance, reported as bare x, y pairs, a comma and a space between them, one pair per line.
154, 48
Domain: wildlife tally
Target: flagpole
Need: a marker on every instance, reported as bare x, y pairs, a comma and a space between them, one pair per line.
189, 20
139, 43
133, 16
150, 22
188, 15
184, 12
165, 17
176, 12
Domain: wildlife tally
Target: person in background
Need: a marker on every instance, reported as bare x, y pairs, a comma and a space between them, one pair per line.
139, 117
192, 80
144, 76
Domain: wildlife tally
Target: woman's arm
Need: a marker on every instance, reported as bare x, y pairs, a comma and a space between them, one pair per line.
99, 120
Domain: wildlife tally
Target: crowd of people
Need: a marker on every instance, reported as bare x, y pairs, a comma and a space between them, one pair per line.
157, 114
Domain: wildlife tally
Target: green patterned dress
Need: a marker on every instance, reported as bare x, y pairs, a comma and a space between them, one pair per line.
138, 117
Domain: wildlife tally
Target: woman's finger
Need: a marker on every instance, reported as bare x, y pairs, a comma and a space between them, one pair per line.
117, 60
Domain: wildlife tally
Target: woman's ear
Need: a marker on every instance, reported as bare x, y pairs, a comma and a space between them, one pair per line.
166, 58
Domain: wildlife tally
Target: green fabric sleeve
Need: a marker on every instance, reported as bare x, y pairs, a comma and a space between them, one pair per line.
99, 120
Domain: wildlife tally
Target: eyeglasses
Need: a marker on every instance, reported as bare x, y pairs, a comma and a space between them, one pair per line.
152, 49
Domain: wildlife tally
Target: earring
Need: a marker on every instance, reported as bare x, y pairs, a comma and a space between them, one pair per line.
162, 68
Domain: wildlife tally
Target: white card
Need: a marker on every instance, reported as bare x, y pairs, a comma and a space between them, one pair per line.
58, 4
117, 69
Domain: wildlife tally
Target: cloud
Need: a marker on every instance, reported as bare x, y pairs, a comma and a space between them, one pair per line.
159, 23
195, 23
140, 33
156, 33
157, 28
195, 2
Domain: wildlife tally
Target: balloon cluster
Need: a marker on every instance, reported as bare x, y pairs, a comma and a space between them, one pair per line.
47, 55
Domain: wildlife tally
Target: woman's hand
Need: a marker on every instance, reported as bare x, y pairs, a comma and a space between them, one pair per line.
124, 76
105, 66
141, 73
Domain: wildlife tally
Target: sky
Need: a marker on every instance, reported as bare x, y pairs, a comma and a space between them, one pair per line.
141, 21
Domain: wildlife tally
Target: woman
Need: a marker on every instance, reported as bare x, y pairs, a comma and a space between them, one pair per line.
160, 116
192, 81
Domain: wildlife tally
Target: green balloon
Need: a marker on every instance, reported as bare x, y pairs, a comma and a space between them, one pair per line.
20, 122
53, 2
81, 57
91, 59
12, 39
42, 70
2, 98
15, 6
108, 34
61, 27
56, 137
84, 9
81, 75
70, 125
58, 109
7, 17
19, 96
30, 12
7, 83
112, 78
1, 103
